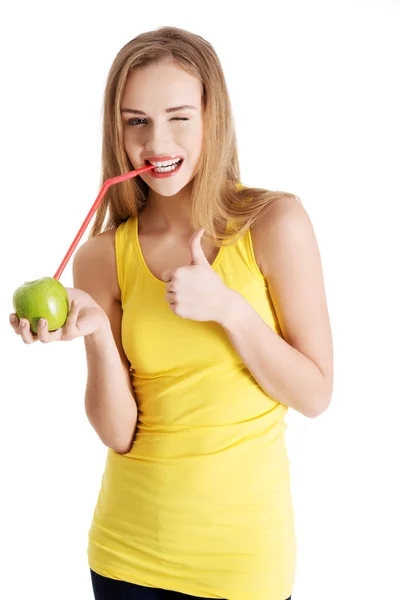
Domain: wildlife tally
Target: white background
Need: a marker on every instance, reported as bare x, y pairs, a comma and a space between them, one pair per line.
314, 88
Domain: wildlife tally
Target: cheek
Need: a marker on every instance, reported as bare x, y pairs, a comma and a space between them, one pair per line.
129, 138
194, 140
131, 143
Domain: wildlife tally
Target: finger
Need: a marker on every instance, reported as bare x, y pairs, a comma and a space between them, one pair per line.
70, 323
170, 297
169, 288
43, 331
25, 332
196, 251
14, 322
166, 276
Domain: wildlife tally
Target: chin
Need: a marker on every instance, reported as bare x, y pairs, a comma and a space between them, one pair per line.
167, 191
167, 188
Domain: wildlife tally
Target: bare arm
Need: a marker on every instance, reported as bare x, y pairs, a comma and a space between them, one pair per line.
296, 370
109, 400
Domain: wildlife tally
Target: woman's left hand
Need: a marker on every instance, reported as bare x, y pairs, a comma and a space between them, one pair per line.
196, 292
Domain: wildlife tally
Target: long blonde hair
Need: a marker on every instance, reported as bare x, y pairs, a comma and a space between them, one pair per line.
216, 198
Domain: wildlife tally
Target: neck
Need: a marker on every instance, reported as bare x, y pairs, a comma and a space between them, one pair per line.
168, 214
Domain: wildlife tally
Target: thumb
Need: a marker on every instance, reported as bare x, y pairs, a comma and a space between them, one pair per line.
196, 251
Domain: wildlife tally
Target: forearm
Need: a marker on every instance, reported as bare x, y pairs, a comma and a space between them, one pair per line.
284, 373
109, 402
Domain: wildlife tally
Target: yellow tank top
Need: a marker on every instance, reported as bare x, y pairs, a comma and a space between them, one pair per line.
201, 504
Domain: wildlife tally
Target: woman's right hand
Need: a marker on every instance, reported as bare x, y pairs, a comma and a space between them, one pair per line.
84, 318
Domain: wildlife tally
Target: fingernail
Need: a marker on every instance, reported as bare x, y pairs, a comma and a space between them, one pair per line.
22, 323
42, 322
12, 318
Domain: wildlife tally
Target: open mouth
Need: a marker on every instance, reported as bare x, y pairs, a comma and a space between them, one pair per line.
165, 167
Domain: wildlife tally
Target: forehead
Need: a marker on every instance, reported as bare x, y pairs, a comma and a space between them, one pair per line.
160, 86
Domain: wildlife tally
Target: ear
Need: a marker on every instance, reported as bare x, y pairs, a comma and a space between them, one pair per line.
196, 251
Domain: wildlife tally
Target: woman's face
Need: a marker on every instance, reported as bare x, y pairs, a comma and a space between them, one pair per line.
162, 119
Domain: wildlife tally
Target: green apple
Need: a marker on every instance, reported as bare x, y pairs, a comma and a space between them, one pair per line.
44, 298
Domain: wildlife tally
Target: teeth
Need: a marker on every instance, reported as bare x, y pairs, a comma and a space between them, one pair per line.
166, 163
166, 169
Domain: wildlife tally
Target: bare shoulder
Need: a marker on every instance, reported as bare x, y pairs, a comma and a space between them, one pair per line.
95, 272
283, 217
286, 250
94, 266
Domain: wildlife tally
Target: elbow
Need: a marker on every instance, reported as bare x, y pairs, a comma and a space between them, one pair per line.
317, 411
121, 444
120, 450
119, 447
317, 408
322, 398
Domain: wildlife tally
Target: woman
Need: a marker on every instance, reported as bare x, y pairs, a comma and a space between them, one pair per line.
204, 315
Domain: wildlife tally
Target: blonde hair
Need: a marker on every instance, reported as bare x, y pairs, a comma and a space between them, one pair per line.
216, 198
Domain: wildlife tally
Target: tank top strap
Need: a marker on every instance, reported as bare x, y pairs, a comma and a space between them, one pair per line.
238, 260
125, 255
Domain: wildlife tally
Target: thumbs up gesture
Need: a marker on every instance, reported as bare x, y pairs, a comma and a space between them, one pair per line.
196, 292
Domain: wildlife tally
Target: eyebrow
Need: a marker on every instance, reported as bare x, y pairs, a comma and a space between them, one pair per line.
168, 110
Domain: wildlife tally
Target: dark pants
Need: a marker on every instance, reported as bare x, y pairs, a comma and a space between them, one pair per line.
113, 589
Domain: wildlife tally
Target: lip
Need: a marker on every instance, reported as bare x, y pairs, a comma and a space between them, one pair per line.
156, 175
162, 158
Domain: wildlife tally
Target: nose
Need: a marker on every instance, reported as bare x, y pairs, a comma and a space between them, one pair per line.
157, 140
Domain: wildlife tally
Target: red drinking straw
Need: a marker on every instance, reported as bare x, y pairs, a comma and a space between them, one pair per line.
86, 222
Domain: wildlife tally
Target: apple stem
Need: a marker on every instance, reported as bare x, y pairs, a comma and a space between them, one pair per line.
104, 188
